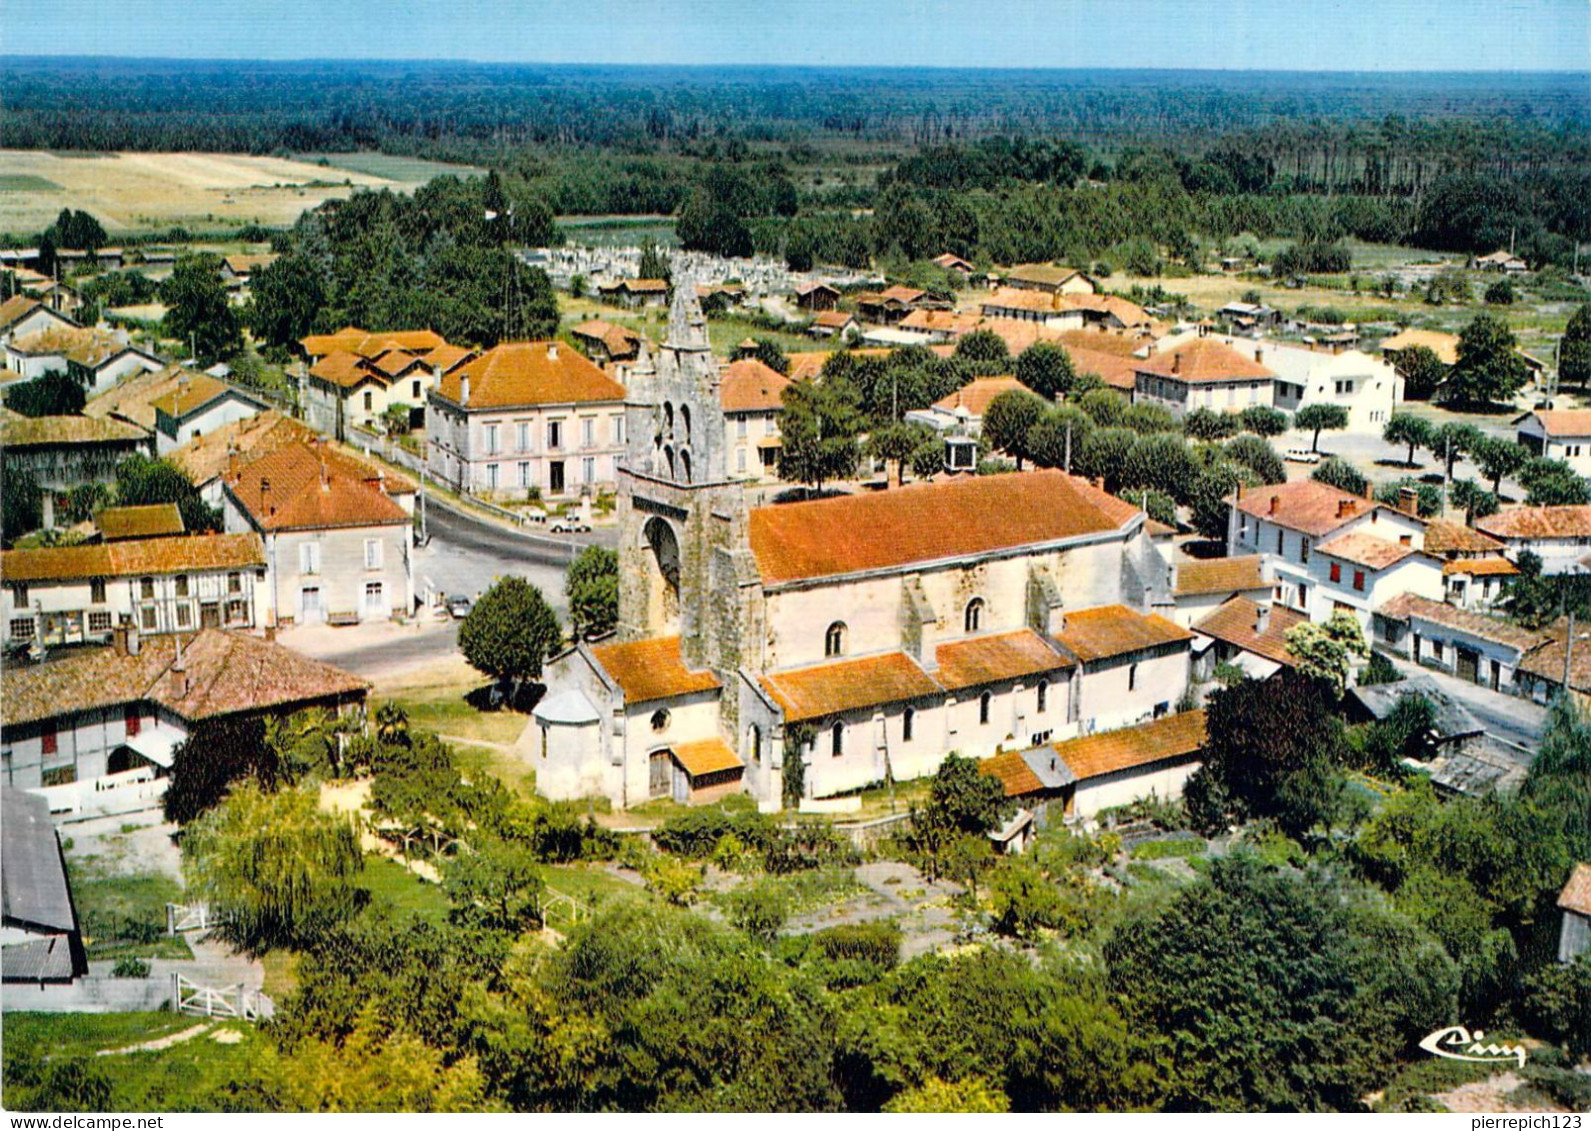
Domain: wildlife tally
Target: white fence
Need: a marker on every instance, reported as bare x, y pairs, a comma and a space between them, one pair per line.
224, 1001
131, 791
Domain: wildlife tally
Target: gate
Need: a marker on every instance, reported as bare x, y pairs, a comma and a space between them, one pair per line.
1468, 668
232, 1001
182, 917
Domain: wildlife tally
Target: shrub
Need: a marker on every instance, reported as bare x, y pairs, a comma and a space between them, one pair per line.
760, 910
130, 967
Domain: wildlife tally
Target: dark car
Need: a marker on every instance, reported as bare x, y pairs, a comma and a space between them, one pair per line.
459, 606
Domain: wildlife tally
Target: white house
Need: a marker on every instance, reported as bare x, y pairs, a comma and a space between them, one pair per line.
1203, 373
1559, 536
21, 315
1563, 434
77, 594
1368, 388
752, 394
199, 405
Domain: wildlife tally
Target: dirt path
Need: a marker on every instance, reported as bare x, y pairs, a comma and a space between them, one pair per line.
161, 1042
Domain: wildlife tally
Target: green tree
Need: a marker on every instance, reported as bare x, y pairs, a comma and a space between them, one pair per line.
53, 394
1341, 474
1208, 425
1046, 368
1008, 420
1058, 435
510, 631
1258, 456
1263, 420
1422, 371
592, 587
1558, 1002
760, 910
275, 868
704, 224
1489, 369
1452, 440
819, 426
1553, 483
654, 263
1325, 652
141, 481
986, 349
21, 505
1501, 293
1406, 428
897, 443
971, 1094
198, 312
1574, 349
286, 295
217, 752
495, 885
1498, 458
1272, 752
1471, 498
1316, 418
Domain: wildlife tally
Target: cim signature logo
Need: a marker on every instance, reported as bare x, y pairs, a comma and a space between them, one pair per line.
1458, 1043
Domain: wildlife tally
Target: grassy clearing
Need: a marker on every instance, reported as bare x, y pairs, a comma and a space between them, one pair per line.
397, 893
474, 761
445, 711
403, 170
26, 182
125, 915
183, 1077
1168, 849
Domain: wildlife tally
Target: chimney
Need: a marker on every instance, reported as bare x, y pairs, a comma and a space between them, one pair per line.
552, 351
119, 638
1259, 355
381, 480
179, 672
1409, 501
270, 634
1276, 501
1370, 491
133, 644
436, 374
265, 485
1344, 508
1176, 363
464, 389
1262, 620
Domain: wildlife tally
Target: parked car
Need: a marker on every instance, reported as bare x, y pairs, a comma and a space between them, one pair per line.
570, 526
1301, 455
459, 606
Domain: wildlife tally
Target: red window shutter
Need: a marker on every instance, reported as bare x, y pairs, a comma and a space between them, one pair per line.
1358, 579
50, 745
1336, 571
135, 722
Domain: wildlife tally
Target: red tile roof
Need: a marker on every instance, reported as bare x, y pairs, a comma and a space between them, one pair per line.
1494, 629
1015, 775
190, 393
928, 522
1443, 538
1237, 623
352, 339
1365, 550
51, 431
157, 520
345, 369
1203, 360
976, 395
616, 340
847, 685
1305, 505
226, 673
306, 487
192, 553
1538, 522
1116, 630
1221, 575
708, 756
651, 669
1565, 422
518, 374
1111, 751
1445, 346
1480, 567
996, 659
749, 385
834, 319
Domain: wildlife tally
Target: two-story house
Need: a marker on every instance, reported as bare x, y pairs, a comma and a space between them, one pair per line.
338, 546
1563, 434
199, 404
752, 394
1203, 373
527, 418
77, 594
1367, 388
1559, 536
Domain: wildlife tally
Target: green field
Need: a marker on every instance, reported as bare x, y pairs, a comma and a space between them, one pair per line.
618, 231
26, 182
404, 170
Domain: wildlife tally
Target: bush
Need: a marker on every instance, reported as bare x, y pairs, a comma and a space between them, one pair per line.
876, 944
760, 910
697, 832
1341, 474
130, 967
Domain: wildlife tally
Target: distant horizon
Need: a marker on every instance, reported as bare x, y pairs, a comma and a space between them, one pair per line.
376, 61
1310, 37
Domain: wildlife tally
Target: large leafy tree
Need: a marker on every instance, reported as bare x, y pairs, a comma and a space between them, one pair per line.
1317, 418
1406, 428
510, 631
287, 295
21, 505
1046, 368
592, 587
1270, 991
1553, 483
985, 349
819, 426
1272, 752
1451, 440
1008, 420
53, 394
217, 752
275, 868
1489, 369
141, 481
1263, 420
1498, 458
198, 312
496, 885
1422, 372
1574, 349
1326, 651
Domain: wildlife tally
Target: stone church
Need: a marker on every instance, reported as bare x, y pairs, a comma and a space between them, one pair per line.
846, 641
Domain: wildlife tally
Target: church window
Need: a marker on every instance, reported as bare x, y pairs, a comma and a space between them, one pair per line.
685, 467
1132, 677
685, 422
754, 740
668, 420
906, 722
834, 639
837, 739
985, 701
974, 617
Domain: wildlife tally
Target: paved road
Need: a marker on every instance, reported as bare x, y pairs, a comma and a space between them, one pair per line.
1507, 717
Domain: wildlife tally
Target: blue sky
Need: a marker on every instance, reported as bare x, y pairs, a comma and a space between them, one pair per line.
1308, 35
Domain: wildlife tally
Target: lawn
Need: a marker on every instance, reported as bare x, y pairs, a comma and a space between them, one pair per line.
727, 332
445, 711
182, 1077
399, 893
1183, 847
618, 231
26, 182
403, 170
124, 914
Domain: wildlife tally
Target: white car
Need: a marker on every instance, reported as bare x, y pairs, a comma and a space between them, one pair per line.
1302, 455
570, 526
